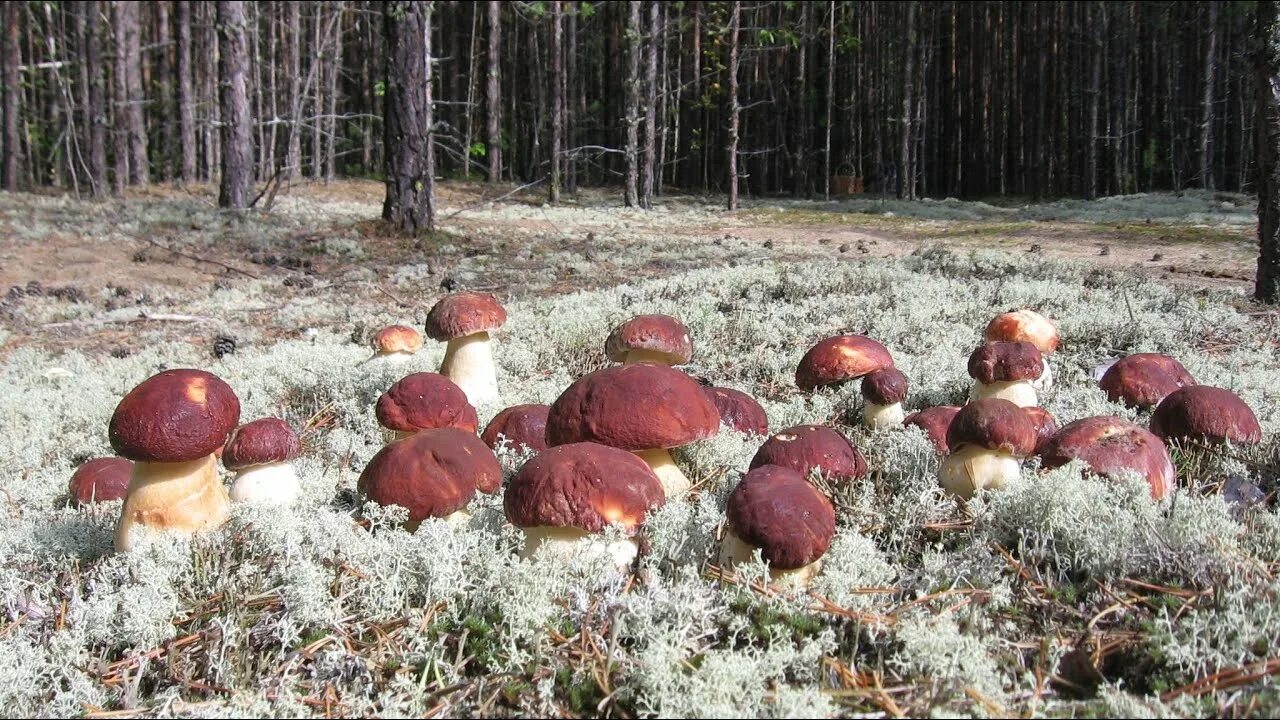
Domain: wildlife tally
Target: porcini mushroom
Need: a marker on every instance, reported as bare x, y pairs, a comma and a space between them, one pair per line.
1045, 423
739, 410
645, 408
396, 343
840, 359
464, 320
564, 497
425, 401
1005, 370
650, 338
804, 448
1206, 414
100, 480
1142, 380
1027, 326
987, 439
776, 511
934, 422
260, 454
1111, 446
523, 427
169, 426
432, 473
882, 393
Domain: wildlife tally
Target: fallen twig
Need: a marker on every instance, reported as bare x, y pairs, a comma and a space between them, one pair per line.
197, 258
142, 317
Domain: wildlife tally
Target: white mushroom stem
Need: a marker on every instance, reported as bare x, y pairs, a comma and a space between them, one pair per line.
273, 484
878, 417
183, 497
973, 467
573, 541
1045, 381
454, 519
674, 482
734, 551
1018, 392
468, 362
394, 358
639, 356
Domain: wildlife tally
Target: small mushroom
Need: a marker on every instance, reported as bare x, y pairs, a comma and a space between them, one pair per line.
1045, 423
739, 410
464, 320
1142, 380
840, 359
523, 427
883, 392
1208, 414
1027, 326
100, 480
988, 437
650, 338
775, 511
432, 473
804, 448
396, 343
424, 401
260, 454
1110, 446
934, 422
1006, 370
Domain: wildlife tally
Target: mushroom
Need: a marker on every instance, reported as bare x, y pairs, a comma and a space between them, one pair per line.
169, 426
564, 497
645, 408
934, 422
1046, 425
1029, 326
465, 320
100, 480
432, 473
987, 438
424, 401
840, 359
776, 511
650, 338
883, 392
1111, 446
259, 453
1207, 414
739, 410
1144, 379
1005, 370
396, 343
524, 427
808, 447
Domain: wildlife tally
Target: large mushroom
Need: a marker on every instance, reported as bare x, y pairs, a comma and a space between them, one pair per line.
432, 473
424, 401
396, 343
169, 426
804, 448
882, 393
934, 422
646, 409
1026, 326
464, 320
1207, 414
523, 427
565, 496
791, 523
260, 453
1111, 446
739, 410
100, 480
1005, 370
650, 338
1142, 380
987, 438
840, 359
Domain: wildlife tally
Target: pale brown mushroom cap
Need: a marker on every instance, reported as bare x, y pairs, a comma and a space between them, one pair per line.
660, 334
464, 313
397, 338
839, 359
1023, 326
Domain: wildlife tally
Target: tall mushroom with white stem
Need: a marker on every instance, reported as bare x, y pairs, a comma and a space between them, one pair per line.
169, 426
1027, 326
650, 338
988, 439
775, 511
260, 453
424, 401
464, 320
1006, 370
432, 474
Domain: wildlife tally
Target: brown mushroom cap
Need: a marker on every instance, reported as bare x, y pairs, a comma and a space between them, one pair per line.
1144, 379
804, 447
994, 424
1110, 445
433, 473
885, 387
777, 510
645, 406
841, 358
523, 426
1046, 425
1005, 362
464, 313
100, 480
1023, 326
175, 416
652, 333
423, 401
261, 442
934, 421
583, 485
1206, 413
397, 338
739, 410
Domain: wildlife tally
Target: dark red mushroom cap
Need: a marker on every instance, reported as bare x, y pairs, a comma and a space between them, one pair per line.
175, 416
1005, 362
1023, 326
523, 427
583, 485
397, 338
423, 401
1211, 414
645, 406
1046, 425
1144, 379
994, 424
464, 313
661, 334
261, 442
1110, 445
885, 387
934, 421
739, 410
777, 510
804, 447
841, 358
100, 480
433, 473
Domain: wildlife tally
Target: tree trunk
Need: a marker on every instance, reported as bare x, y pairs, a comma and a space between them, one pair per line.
129, 61
120, 97
186, 98
318, 47
333, 65
734, 109
651, 106
831, 89
1267, 84
293, 155
1206, 105
164, 88
557, 95
237, 126
1095, 92
493, 94
12, 91
409, 203
633, 100
906, 183
96, 108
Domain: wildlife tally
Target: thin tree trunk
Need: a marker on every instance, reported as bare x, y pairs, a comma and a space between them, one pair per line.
633, 101
293, 156
331, 92
186, 99
1206, 106
319, 48
128, 36
12, 90
651, 106
831, 90
571, 92
96, 108
471, 95
734, 108
120, 86
1267, 85
236, 186
557, 95
906, 188
1095, 92
493, 117
409, 204
164, 88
